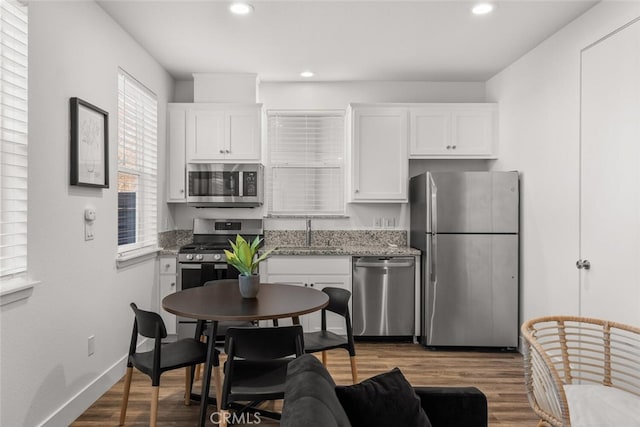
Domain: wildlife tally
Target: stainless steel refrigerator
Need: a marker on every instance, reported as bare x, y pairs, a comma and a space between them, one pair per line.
466, 224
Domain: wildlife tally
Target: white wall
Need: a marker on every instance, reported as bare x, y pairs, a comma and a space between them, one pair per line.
75, 49
539, 99
337, 95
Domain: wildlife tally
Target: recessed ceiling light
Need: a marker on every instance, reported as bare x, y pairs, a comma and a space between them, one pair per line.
482, 8
241, 8
306, 74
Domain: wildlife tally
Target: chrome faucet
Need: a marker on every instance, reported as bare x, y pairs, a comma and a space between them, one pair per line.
308, 232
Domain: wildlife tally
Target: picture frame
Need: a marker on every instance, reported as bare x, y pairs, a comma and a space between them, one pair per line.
89, 144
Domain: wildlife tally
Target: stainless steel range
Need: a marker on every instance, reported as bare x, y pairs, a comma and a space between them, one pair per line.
203, 259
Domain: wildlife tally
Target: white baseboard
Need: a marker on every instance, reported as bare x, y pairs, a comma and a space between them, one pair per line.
86, 397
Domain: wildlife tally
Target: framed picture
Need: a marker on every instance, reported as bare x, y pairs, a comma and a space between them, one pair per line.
89, 144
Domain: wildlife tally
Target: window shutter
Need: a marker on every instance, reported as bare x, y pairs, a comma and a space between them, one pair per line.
306, 163
137, 166
13, 127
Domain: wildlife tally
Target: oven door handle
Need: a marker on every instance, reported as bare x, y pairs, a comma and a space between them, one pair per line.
190, 266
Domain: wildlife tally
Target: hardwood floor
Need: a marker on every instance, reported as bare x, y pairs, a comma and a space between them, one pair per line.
498, 375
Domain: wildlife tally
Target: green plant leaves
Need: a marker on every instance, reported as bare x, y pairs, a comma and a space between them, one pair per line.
243, 256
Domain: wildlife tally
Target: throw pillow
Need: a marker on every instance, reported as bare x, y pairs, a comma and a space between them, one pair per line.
384, 400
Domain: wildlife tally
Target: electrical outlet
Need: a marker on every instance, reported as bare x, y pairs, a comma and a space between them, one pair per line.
377, 222
91, 345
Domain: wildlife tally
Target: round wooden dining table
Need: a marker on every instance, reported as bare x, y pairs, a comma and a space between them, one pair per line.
221, 302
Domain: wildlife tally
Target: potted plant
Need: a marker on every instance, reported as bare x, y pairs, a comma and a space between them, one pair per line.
244, 258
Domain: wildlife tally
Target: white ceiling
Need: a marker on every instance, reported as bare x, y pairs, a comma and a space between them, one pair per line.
341, 40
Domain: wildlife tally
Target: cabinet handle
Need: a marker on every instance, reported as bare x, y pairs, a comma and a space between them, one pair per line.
448, 147
221, 151
453, 146
357, 191
173, 284
312, 285
167, 266
227, 151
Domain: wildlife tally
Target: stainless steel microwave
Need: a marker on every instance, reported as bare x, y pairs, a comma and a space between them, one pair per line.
225, 185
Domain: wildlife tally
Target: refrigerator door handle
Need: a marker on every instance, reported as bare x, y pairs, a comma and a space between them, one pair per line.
434, 227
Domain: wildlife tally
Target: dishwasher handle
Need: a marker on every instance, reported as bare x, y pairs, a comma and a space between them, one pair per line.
384, 262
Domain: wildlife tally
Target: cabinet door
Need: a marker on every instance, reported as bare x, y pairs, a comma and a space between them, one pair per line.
167, 286
473, 131
335, 323
380, 163
294, 280
206, 135
430, 131
176, 165
243, 134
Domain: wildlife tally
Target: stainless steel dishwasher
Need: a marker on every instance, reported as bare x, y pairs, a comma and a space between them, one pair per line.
383, 296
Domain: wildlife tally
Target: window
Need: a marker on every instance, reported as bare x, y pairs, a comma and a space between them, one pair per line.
137, 167
13, 127
306, 163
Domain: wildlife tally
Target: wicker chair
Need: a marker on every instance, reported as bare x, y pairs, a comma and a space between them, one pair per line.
563, 354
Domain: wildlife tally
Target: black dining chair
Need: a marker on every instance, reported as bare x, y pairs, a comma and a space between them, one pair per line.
184, 353
256, 366
324, 340
222, 326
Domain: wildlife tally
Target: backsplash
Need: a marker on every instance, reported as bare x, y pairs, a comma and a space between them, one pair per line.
174, 238
177, 238
336, 238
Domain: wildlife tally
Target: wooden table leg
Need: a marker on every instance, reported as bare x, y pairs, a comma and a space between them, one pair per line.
212, 361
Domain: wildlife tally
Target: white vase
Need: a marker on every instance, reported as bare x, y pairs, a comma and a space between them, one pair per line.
249, 285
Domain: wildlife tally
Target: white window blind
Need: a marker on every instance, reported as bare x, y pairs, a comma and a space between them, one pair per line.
306, 162
137, 166
13, 127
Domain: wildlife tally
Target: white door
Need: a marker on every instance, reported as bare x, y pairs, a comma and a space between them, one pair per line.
610, 178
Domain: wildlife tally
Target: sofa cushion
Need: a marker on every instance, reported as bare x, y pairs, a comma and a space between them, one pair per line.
384, 400
309, 396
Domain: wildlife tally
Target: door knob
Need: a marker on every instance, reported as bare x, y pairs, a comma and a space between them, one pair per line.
583, 263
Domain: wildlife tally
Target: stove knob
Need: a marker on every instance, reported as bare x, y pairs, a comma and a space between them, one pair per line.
199, 257
217, 257
189, 257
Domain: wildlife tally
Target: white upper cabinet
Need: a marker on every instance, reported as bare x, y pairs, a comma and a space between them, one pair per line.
379, 164
453, 131
221, 132
176, 165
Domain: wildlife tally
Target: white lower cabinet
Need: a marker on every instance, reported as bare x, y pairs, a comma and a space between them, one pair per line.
316, 272
167, 285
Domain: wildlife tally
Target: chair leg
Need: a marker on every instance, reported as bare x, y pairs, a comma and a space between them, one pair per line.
324, 358
217, 379
125, 394
354, 369
223, 418
196, 376
187, 386
153, 416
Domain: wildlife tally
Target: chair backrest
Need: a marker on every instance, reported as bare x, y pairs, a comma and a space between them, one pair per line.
338, 300
264, 343
221, 282
149, 324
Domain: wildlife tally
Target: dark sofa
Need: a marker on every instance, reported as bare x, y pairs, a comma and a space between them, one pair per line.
310, 400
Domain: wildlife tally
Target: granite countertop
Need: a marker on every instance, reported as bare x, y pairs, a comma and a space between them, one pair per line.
358, 250
170, 251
